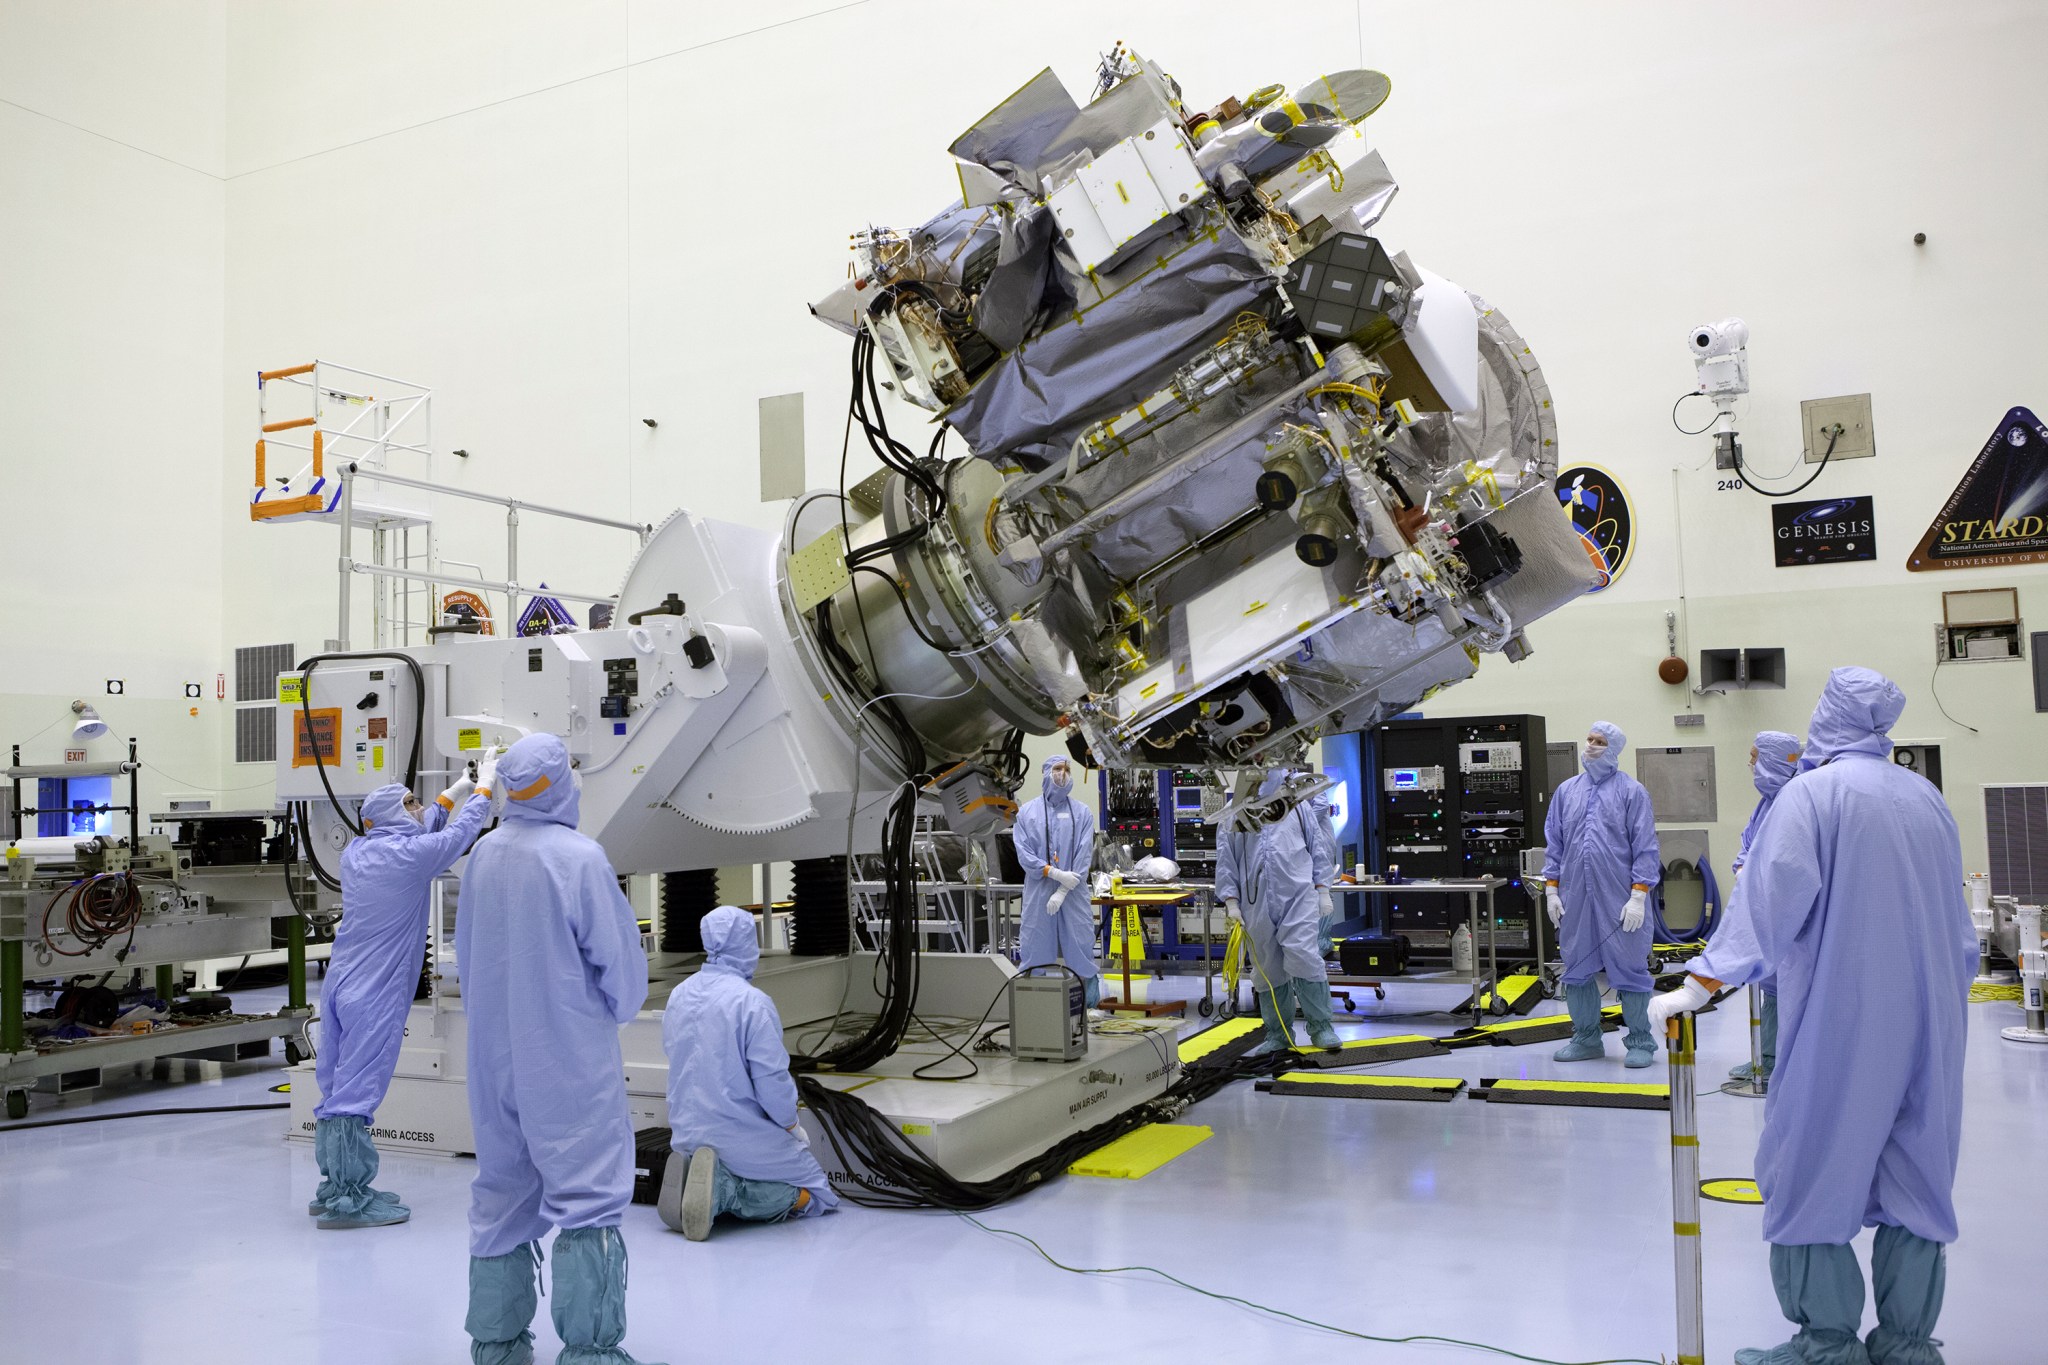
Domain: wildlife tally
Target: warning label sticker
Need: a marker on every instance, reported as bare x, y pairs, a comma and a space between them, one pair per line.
319, 744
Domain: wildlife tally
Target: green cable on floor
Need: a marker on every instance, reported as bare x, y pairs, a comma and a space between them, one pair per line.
1291, 1317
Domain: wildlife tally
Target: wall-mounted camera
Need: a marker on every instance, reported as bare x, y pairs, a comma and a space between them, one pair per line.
1720, 352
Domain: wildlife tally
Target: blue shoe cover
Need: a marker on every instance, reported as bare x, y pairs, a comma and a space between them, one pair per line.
590, 1297
504, 1292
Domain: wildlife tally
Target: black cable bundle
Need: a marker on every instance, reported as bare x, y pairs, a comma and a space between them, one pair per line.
898, 950
885, 1171
864, 407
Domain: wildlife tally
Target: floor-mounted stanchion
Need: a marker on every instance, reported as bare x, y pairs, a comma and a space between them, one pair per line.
1759, 1083
1685, 1193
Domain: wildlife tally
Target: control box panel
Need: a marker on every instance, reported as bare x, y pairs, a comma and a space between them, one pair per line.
355, 730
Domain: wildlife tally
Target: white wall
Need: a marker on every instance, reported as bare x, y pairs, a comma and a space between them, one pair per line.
1628, 172
112, 148
569, 218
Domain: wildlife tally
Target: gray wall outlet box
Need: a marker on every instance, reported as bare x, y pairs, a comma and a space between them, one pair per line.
1817, 420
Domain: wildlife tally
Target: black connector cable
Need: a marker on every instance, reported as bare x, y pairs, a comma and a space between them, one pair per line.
143, 1114
1834, 435
1827, 455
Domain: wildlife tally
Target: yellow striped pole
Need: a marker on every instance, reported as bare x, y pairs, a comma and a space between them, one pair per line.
1685, 1193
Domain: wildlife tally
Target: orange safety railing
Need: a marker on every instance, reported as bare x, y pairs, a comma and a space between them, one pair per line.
291, 506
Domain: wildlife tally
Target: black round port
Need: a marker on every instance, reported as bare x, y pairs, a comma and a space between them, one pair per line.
1317, 551
1274, 491
1703, 340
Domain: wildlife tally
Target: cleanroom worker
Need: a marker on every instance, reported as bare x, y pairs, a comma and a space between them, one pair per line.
372, 975
1731, 955
737, 1148
1268, 879
1600, 862
1055, 838
551, 968
1855, 889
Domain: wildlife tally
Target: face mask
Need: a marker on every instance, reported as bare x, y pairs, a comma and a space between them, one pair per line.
1593, 753
1061, 779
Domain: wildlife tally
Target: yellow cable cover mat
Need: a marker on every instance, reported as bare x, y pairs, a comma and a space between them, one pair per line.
1139, 1154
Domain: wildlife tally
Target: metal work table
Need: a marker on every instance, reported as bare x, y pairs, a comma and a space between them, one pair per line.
186, 914
1474, 890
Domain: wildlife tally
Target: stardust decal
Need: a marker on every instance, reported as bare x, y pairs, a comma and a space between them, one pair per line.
1998, 515
1831, 531
1601, 515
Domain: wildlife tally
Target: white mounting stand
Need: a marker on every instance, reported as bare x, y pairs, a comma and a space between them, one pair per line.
2033, 967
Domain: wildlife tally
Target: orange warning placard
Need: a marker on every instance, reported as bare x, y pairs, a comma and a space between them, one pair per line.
322, 744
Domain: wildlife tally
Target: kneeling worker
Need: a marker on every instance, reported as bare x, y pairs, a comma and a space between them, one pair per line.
737, 1148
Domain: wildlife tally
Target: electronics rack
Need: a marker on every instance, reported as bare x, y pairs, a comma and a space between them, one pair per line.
1458, 797
1134, 804
1194, 838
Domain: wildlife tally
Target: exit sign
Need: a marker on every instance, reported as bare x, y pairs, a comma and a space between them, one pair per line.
74, 755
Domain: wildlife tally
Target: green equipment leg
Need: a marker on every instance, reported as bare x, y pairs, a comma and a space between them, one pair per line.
10, 996
295, 960
166, 982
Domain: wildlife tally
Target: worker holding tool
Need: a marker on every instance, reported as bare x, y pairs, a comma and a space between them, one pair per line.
1273, 879
1854, 888
372, 976
1055, 836
1600, 863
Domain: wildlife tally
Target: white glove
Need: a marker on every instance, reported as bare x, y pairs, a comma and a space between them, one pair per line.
797, 1130
1632, 913
1059, 898
1067, 880
487, 772
457, 793
1555, 904
1691, 996
1325, 907
1230, 909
